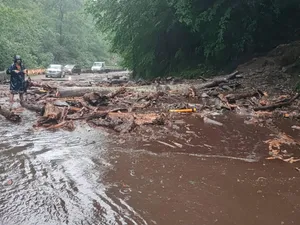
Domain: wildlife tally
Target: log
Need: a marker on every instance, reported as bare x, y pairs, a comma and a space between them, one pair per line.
67, 125
96, 115
192, 92
95, 99
278, 105
149, 119
52, 112
9, 115
81, 91
46, 87
231, 98
152, 96
114, 94
103, 114
119, 122
232, 75
32, 107
140, 106
218, 81
213, 83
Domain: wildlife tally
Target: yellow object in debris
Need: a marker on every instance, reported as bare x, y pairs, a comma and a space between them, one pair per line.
183, 110
42, 90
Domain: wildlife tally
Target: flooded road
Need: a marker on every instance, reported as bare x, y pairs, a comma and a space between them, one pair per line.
82, 177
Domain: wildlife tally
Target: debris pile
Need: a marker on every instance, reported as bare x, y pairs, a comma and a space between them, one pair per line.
259, 90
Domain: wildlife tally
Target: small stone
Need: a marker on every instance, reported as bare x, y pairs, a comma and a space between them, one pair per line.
214, 93
259, 192
166, 88
179, 122
9, 182
204, 95
227, 88
218, 104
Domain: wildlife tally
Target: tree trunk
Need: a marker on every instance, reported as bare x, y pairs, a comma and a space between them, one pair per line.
231, 98
9, 115
32, 107
278, 105
52, 112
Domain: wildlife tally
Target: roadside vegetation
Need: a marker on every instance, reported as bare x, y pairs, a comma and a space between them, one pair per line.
194, 37
49, 31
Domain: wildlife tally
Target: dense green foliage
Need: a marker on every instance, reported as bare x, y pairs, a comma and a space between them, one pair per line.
49, 31
162, 37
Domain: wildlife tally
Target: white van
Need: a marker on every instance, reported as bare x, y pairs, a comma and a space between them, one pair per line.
98, 67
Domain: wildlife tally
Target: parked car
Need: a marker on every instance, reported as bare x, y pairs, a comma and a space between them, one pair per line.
100, 67
72, 69
55, 70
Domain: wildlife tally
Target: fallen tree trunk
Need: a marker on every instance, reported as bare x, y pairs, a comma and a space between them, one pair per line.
9, 115
119, 122
218, 81
96, 99
52, 112
213, 83
153, 96
96, 115
231, 98
46, 87
113, 94
81, 91
32, 107
278, 105
232, 75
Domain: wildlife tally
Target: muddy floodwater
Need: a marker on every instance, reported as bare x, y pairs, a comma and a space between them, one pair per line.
83, 178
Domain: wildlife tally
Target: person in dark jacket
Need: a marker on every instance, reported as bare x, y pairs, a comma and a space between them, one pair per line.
17, 73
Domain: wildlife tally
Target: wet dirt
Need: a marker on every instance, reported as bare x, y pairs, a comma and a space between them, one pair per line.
186, 172
216, 176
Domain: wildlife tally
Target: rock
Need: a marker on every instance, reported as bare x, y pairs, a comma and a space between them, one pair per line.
204, 95
296, 127
130, 83
175, 127
210, 121
218, 104
179, 122
116, 77
60, 103
214, 93
166, 88
158, 87
227, 88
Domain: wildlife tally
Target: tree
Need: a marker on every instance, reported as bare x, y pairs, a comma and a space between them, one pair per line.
157, 38
48, 31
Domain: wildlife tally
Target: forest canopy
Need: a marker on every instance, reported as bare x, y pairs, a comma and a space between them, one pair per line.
49, 31
162, 37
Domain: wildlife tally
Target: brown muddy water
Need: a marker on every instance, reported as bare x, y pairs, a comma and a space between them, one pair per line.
83, 178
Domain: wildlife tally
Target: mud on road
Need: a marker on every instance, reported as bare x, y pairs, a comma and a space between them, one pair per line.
184, 171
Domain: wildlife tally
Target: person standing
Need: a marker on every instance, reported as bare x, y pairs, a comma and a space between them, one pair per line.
17, 73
